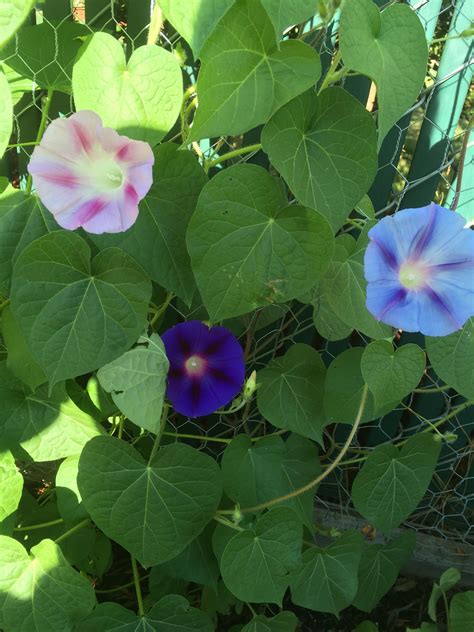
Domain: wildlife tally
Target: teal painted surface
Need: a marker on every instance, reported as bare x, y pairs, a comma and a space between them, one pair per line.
444, 110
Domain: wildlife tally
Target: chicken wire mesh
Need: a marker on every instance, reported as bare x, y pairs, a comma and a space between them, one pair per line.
420, 161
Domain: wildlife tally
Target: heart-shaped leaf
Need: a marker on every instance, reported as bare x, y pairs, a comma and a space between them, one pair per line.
137, 381
461, 612
22, 220
45, 53
47, 426
70, 505
283, 13
11, 485
6, 113
196, 20
391, 373
379, 568
256, 564
325, 148
390, 48
255, 472
40, 591
326, 580
154, 511
171, 614
452, 357
343, 390
12, 15
77, 314
282, 622
140, 99
20, 362
245, 75
392, 481
157, 240
247, 246
290, 392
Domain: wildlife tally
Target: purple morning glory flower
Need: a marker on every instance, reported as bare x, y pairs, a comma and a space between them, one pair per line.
207, 367
419, 265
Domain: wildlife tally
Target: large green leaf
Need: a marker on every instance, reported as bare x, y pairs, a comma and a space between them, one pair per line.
70, 505
343, 390
40, 591
256, 563
325, 148
282, 622
452, 357
255, 472
140, 99
12, 15
461, 612
154, 511
11, 485
20, 361
45, 53
392, 481
290, 392
390, 48
283, 13
379, 569
245, 76
346, 290
47, 426
22, 220
327, 580
171, 614
196, 20
248, 248
197, 563
137, 381
157, 240
6, 112
392, 373
77, 314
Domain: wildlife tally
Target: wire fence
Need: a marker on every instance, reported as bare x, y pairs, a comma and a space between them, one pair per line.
419, 162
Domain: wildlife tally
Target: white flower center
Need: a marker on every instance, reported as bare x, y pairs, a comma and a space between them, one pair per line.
195, 365
413, 275
108, 175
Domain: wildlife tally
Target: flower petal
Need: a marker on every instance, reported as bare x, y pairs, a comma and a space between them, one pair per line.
90, 176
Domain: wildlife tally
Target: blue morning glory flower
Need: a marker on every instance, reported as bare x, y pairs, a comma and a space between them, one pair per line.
207, 367
419, 265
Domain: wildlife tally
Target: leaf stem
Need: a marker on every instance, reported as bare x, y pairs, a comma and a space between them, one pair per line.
28, 144
42, 525
72, 530
437, 389
233, 154
332, 72
159, 434
312, 484
227, 523
163, 307
156, 23
44, 120
122, 587
5, 303
138, 588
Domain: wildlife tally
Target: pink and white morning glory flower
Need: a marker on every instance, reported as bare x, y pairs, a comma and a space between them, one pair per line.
89, 176
419, 265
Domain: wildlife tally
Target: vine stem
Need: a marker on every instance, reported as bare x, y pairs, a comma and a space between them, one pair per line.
233, 154
156, 23
436, 389
72, 530
43, 525
162, 308
5, 303
138, 588
462, 159
108, 591
181, 435
160, 432
312, 484
332, 74
42, 127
